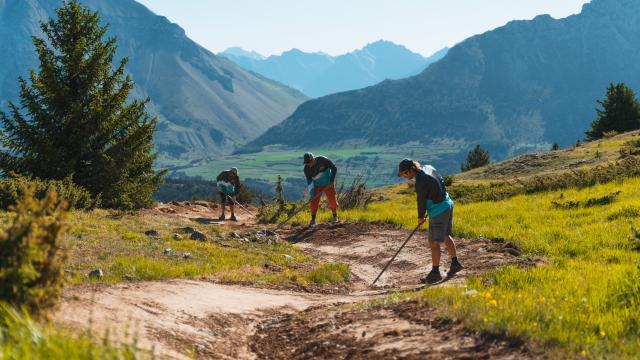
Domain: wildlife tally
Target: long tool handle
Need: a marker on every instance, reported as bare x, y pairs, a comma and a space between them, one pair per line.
396, 254
237, 203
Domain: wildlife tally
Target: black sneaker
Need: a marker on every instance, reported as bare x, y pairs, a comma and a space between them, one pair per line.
432, 277
455, 268
221, 217
312, 223
233, 217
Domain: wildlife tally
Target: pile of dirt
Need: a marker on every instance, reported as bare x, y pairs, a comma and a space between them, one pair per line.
368, 247
407, 330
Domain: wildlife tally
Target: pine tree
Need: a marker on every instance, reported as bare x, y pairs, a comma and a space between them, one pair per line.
555, 147
280, 194
476, 158
620, 112
78, 120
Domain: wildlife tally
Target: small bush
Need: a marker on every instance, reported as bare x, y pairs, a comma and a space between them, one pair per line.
626, 212
12, 189
599, 201
630, 148
355, 196
31, 270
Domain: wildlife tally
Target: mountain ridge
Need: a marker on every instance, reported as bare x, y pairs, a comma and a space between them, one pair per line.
514, 89
318, 74
205, 104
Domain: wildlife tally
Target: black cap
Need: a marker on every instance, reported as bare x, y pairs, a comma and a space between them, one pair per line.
308, 157
406, 164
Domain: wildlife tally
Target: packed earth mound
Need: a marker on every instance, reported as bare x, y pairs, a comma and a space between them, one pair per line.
203, 320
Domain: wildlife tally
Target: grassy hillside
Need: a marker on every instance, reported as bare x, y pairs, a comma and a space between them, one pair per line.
581, 156
582, 298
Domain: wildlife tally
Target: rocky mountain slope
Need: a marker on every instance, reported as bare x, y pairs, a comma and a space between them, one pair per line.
206, 104
319, 74
514, 89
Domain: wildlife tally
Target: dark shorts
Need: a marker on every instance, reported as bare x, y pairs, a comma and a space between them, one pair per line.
224, 198
441, 226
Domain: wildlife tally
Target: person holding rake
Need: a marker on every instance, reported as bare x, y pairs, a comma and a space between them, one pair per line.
433, 200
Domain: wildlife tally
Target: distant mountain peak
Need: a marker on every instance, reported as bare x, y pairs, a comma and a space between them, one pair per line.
238, 51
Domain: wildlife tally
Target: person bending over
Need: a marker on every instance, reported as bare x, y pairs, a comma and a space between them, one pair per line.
321, 176
433, 200
228, 183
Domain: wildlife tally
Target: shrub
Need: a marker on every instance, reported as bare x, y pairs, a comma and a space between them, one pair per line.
620, 112
599, 201
630, 148
31, 270
12, 189
355, 196
476, 158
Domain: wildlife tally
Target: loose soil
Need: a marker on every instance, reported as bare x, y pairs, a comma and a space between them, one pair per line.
199, 319
368, 247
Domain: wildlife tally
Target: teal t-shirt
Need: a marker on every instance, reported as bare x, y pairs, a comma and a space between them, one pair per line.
436, 209
323, 179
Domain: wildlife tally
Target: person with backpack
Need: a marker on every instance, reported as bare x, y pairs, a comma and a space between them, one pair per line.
321, 176
228, 183
433, 200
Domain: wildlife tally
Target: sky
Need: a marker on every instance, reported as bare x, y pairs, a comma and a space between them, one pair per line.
339, 26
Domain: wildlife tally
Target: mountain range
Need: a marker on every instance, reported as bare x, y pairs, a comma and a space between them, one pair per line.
514, 89
206, 105
318, 74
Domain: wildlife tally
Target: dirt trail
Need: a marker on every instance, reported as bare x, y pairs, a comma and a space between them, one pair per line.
368, 247
199, 319
178, 317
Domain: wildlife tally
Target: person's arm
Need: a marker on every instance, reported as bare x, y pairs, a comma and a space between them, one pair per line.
422, 192
307, 173
334, 171
220, 177
236, 185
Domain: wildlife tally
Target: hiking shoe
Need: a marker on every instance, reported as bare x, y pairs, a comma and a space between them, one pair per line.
336, 219
221, 217
455, 268
233, 217
312, 223
432, 277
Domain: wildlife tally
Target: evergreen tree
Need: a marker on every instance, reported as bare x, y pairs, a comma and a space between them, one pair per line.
280, 194
78, 120
476, 158
620, 112
555, 147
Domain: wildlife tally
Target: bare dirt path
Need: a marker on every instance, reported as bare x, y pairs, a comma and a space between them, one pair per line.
198, 319
368, 247
182, 318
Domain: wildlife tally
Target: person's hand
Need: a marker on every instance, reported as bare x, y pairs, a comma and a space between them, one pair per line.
306, 191
421, 220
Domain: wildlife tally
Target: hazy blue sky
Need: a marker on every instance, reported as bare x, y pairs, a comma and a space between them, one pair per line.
339, 26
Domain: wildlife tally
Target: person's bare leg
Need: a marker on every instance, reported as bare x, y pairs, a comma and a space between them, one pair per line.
435, 253
223, 208
451, 246
232, 207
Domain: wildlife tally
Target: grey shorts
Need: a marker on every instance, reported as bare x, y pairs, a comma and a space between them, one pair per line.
441, 226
